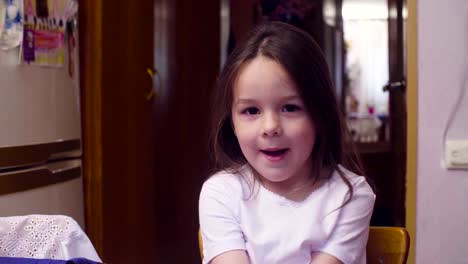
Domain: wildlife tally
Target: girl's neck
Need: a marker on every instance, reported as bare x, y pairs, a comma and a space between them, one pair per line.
298, 187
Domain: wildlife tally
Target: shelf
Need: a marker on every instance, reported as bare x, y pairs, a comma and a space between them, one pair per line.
372, 147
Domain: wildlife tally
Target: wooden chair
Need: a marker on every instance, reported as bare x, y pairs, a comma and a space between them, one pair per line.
389, 245
200, 243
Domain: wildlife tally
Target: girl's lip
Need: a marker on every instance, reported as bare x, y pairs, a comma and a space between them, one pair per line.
272, 149
276, 157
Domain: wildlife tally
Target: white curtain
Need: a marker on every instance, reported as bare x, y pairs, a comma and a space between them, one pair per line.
367, 63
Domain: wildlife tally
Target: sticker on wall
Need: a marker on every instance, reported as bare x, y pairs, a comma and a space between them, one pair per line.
44, 31
11, 24
2, 15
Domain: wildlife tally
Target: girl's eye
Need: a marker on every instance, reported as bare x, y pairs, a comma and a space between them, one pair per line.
291, 108
250, 111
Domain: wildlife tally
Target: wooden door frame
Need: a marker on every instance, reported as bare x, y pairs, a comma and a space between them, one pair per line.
397, 106
90, 31
412, 125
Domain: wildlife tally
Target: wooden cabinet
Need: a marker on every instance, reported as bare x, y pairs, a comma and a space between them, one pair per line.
145, 160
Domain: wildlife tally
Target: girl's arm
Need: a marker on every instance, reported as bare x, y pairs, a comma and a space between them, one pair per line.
350, 228
221, 233
231, 257
323, 258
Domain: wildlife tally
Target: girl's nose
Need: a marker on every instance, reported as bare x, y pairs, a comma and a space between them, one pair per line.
271, 125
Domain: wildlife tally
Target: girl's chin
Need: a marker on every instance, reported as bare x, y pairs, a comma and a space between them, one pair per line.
276, 176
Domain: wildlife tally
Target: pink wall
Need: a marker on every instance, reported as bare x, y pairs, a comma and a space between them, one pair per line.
442, 200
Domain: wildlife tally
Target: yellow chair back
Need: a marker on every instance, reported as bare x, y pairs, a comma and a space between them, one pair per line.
387, 245
200, 243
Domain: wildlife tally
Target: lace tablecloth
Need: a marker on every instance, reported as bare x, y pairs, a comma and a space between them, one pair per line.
54, 237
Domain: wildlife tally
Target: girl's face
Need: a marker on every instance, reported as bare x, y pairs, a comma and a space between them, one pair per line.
274, 130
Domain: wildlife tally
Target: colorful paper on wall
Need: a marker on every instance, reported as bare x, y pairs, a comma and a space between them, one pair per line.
44, 31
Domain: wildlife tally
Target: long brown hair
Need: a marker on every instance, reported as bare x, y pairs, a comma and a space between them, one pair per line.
303, 60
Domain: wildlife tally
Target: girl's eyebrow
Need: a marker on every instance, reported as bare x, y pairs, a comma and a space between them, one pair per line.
249, 100
291, 97
244, 101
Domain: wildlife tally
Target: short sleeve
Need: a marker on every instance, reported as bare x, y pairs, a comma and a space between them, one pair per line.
349, 225
219, 216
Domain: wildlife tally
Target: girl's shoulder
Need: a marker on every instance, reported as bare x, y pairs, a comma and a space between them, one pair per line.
358, 182
233, 182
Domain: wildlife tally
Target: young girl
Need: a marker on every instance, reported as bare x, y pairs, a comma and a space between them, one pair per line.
280, 194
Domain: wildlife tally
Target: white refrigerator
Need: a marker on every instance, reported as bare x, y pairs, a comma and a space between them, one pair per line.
40, 140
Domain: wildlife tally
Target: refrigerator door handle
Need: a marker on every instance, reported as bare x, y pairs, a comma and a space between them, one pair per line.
22, 180
30, 155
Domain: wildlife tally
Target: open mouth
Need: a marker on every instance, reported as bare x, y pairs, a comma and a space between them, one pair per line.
277, 153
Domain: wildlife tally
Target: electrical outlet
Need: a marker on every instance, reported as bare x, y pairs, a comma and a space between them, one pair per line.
456, 154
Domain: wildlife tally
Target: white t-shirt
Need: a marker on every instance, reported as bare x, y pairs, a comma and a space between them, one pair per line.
273, 229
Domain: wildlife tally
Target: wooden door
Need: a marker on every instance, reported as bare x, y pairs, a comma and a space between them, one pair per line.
145, 161
187, 39
118, 128
385, 161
